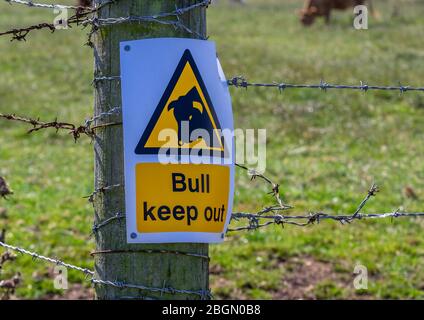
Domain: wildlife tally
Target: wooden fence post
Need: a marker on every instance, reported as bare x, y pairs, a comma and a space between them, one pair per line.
140, 268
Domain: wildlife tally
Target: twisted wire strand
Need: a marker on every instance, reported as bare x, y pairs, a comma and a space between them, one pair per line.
75, 130
45, 5
311, 218
86, 16
203, 294
36, 256
241, 82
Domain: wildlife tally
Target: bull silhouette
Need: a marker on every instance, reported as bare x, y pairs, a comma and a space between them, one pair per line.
190, 109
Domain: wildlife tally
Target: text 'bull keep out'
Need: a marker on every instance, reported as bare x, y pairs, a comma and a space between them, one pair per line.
186, 214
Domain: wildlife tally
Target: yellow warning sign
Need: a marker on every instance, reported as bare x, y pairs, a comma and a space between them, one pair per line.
181, 198
185, 117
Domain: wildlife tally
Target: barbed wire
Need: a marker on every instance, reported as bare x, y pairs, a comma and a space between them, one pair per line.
20, 34
269, 213
372, 192
161, 18
241, 82
275, 191
36, 256
97, 191
311, 218
100, 78
45, 5
158, 18
178, 12
177, 24
203, 294
97, 226
74, 130
111, 112
82, 17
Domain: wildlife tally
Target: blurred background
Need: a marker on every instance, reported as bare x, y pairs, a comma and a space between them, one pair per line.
325, 150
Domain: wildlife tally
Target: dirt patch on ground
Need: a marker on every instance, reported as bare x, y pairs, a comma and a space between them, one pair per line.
305, 276
302, 277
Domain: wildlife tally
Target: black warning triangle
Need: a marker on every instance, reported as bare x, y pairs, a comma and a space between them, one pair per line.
185, 106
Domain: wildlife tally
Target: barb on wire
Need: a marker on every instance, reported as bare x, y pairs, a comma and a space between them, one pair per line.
372, 192
92, 196
241, 82
98, 79
97, 226
275, 191
113, 111
4, 189
203, 294
74, 130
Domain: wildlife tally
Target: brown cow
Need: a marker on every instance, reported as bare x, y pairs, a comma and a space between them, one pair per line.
322, 8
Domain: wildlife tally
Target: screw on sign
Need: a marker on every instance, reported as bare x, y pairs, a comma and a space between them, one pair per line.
179, 166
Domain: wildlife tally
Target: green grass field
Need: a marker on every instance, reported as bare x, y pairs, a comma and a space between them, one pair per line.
325, 150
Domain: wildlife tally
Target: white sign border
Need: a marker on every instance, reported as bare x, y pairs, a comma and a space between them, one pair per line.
204, 54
